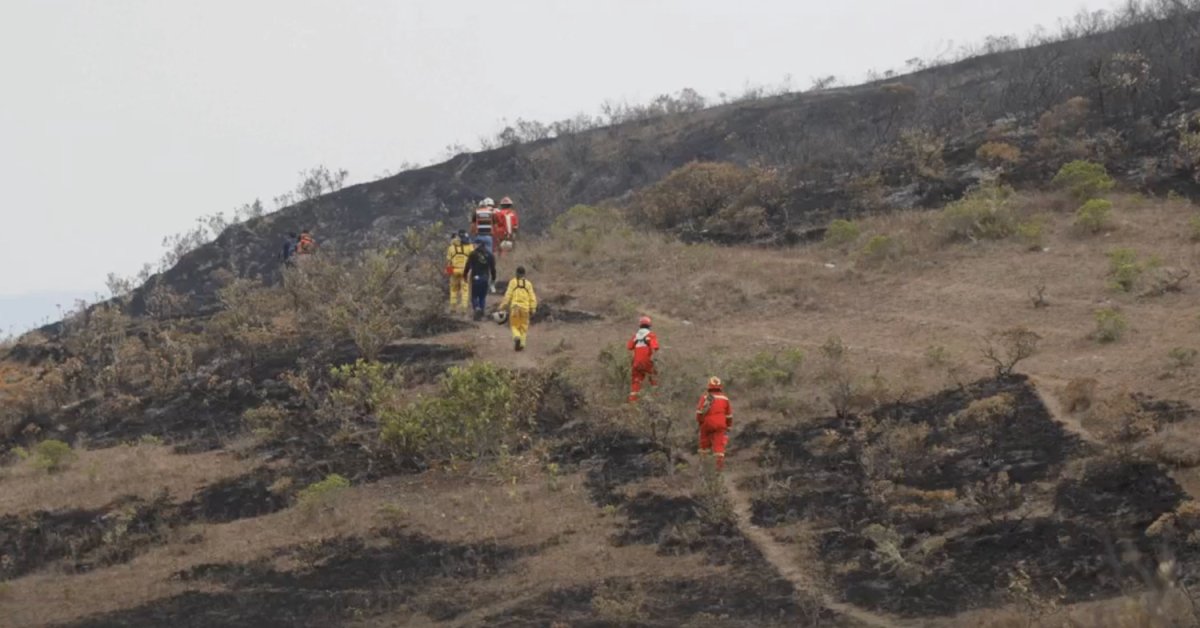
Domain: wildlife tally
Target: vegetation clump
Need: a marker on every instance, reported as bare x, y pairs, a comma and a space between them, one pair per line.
52, 455
1094, 216
1083, 180
841, 232
769, 368
478, 409
319, 493
985, 213
1110, 325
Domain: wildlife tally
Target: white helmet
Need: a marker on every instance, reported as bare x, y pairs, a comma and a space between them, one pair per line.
487, 202
500, 316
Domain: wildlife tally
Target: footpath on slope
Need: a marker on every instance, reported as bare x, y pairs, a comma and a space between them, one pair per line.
778, 556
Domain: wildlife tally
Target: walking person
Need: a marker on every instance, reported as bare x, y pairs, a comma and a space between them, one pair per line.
456, 264
481, 272
643, 344
521, 302
714, 415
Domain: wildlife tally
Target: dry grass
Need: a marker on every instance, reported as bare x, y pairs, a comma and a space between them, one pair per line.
714, 308
95, 478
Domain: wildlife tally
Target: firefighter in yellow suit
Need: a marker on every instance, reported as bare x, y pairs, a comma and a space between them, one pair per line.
521, 302
456, 263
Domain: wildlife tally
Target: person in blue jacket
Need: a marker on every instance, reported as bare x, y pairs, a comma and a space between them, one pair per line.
481, 270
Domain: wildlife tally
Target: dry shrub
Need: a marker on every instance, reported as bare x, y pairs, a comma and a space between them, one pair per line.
892, 448
690, 194
372, 299
998, 154
920, 151
983, 415
1005, 349
721, 199
1175, 445
620, 602
1165, 280
1079, 394
1121, 419
1059, 128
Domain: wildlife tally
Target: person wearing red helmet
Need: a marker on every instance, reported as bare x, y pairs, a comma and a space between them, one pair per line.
643, 344
714, 414
505, 227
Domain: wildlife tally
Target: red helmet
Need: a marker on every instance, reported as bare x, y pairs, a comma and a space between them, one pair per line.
644, 321
506, 202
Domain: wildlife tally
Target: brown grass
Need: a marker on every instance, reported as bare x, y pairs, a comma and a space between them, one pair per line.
97, 477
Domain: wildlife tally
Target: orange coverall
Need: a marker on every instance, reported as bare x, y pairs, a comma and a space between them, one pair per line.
643, 345
715, 416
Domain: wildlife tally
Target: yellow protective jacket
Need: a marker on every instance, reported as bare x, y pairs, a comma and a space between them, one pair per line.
520, 294
456, 256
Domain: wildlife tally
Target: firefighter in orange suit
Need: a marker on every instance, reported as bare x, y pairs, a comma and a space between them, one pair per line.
643, 344
715, 416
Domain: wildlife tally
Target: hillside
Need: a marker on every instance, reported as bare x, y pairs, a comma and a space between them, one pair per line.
954, 312
1125, 98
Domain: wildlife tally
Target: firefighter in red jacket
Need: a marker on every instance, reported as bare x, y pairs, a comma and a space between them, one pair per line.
505, 227
715, 416
643, 344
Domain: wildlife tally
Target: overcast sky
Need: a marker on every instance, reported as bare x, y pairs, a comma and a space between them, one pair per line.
124, 120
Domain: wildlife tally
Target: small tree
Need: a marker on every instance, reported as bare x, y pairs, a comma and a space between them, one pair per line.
1004, 349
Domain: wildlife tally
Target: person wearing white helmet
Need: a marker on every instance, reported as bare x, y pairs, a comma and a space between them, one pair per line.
482, 220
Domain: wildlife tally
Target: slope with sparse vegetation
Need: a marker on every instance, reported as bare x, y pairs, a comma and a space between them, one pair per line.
979, 412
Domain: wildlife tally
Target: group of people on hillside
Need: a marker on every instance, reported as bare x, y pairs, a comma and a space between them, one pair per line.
297, 247
471, 269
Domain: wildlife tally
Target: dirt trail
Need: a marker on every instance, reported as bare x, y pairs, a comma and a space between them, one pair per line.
1066, 419
779, 557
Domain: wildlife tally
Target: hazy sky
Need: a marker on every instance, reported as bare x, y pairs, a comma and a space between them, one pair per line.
124, 120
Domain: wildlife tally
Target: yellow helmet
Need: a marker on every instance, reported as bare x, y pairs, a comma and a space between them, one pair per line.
714, 383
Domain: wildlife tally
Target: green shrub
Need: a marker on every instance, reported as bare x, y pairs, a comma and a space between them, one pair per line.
841, 232
1110, 325
1124, 269
318, 493
477, 411
1094, 216
364, 388
1084, 180
985, 213
880, 249
1032, 234
52, 455
768, 368
1194, 228
1182, 358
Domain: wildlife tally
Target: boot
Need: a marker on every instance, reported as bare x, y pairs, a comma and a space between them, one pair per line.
478, 315
516, 344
